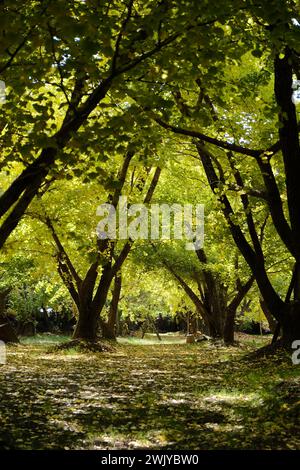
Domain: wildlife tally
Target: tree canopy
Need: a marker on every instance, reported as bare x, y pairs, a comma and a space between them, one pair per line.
169, 102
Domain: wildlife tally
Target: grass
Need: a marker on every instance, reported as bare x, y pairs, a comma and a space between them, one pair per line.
166, 338
150, 395
45, 339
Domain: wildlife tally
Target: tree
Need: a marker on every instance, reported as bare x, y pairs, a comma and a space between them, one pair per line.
90, 290
213, 303
76, 55
109, 328
271, 36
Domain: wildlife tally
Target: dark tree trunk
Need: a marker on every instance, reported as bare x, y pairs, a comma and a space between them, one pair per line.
290, 324
193, 325
89, 308
3, 300
270, 319
109, 328
228, 332
7, 333
214, 331
87, 325
230, 310
90, 303
152, 322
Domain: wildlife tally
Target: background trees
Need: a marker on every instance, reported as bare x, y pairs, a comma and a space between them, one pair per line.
97, 95
251, 169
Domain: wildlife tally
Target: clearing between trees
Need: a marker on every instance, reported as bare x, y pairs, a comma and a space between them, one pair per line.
146, 394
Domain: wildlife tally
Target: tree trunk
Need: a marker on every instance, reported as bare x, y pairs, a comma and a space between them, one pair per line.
27, 329
270, 319
89, 308
3, 300
213, 331
151, 321
188, 323
109, 328
7, 333
291, 324
228, 332
87, 325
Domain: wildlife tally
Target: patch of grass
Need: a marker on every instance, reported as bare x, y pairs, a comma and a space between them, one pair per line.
151, 339
44, 339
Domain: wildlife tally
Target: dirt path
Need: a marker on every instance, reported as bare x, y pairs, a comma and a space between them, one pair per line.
156, 397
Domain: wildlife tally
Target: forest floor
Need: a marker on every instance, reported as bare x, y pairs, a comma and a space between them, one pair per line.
149, 395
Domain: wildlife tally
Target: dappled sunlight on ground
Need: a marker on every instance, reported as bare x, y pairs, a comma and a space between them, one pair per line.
166, 338
171, 396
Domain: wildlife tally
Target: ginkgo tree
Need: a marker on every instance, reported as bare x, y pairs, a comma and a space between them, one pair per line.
213, 277
89, 279
239, 108
70, 57
91, 85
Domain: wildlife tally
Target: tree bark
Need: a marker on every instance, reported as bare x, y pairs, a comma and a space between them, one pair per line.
7, 333
290, 324
87, 325
270, 319
110, 328
228, 331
